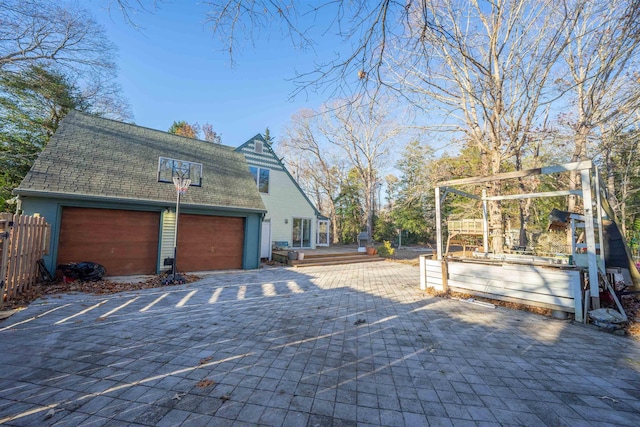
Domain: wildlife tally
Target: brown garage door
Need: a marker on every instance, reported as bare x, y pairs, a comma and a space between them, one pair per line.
125, 242
210, 242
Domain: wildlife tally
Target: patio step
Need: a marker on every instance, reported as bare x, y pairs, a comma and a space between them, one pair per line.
308, 255
334, 259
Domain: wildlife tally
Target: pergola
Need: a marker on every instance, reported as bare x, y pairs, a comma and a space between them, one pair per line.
589, 193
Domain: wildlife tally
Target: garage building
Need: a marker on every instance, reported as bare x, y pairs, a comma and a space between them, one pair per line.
106, 188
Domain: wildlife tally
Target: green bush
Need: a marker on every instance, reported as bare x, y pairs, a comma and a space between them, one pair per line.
385, 250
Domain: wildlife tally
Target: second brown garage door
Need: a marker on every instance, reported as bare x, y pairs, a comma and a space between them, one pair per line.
124, 242
210, 242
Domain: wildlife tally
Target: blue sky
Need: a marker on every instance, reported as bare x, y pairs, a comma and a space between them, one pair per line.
173, 68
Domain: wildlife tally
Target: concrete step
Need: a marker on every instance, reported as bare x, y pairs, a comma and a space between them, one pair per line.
335, 255
328, 257
334, 261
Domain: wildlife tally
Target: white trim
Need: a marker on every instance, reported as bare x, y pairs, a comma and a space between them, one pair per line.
324, 221
265, 240
310, 219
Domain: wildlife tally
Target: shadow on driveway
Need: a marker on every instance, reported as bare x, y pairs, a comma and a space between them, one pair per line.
357, 344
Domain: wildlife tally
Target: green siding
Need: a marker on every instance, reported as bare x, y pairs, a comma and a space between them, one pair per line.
51, 210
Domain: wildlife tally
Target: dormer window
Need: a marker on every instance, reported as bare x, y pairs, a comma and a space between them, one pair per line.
170, 168
258, 146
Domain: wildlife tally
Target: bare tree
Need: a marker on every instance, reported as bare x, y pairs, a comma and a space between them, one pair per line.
604, 41
618, 151
485, 70
195, 131
322, 169
486, 67
65, 39
344, 136
211, 135
365, 135
129, 8
365, 26
45, 31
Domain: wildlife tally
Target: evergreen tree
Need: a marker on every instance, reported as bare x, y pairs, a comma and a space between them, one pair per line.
267, 136
349, 208
413, 210
32, 103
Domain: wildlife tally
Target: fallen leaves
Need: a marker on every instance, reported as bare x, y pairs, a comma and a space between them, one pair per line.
100, 287
205, 360
205, 383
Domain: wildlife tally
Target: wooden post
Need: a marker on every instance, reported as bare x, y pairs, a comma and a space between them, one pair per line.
445, 282
423, 272
4, 250
592, 260
12, 269
599, 215
438, 225
485, 223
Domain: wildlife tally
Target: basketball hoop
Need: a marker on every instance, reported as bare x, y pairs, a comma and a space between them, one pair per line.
182, 184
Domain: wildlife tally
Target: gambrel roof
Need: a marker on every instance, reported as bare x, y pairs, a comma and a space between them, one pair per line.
91, 157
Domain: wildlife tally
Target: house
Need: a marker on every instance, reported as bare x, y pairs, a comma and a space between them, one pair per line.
291, 217
106, 189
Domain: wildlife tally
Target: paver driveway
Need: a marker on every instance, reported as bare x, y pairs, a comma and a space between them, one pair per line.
346, 345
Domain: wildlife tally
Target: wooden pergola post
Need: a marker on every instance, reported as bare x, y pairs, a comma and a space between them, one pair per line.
438, 226
485, 223
592, 260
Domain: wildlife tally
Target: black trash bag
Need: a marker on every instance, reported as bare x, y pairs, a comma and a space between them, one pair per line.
84, 271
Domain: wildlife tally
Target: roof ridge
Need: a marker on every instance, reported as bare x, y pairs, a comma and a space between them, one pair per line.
119, 122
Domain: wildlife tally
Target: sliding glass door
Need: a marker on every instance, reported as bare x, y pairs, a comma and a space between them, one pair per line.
301, 233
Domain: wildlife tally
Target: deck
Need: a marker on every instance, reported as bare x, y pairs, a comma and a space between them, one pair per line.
324, 256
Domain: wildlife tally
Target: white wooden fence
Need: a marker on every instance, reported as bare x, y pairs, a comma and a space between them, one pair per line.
549, 287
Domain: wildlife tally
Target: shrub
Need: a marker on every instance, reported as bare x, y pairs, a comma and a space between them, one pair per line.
385, 250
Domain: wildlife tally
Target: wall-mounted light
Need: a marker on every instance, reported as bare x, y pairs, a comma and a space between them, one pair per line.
286, 221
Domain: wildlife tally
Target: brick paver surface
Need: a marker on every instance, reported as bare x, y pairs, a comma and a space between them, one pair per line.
345, 345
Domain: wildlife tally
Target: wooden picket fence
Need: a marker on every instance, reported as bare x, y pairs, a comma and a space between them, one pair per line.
23, 241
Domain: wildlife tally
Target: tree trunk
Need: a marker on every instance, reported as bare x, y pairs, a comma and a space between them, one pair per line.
611, 182
368, 211
333, 219
579, 153
525, 214
495, 207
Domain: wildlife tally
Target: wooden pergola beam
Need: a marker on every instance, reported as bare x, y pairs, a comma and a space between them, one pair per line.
575, 166
461, 193
536, 195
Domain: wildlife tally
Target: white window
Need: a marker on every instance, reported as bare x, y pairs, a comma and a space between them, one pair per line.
170, 168
261, 177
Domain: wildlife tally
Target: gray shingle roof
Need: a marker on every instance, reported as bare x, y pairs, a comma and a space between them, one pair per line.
95, 157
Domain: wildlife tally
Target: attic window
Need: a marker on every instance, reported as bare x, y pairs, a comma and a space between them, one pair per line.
258, 146
169, 168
